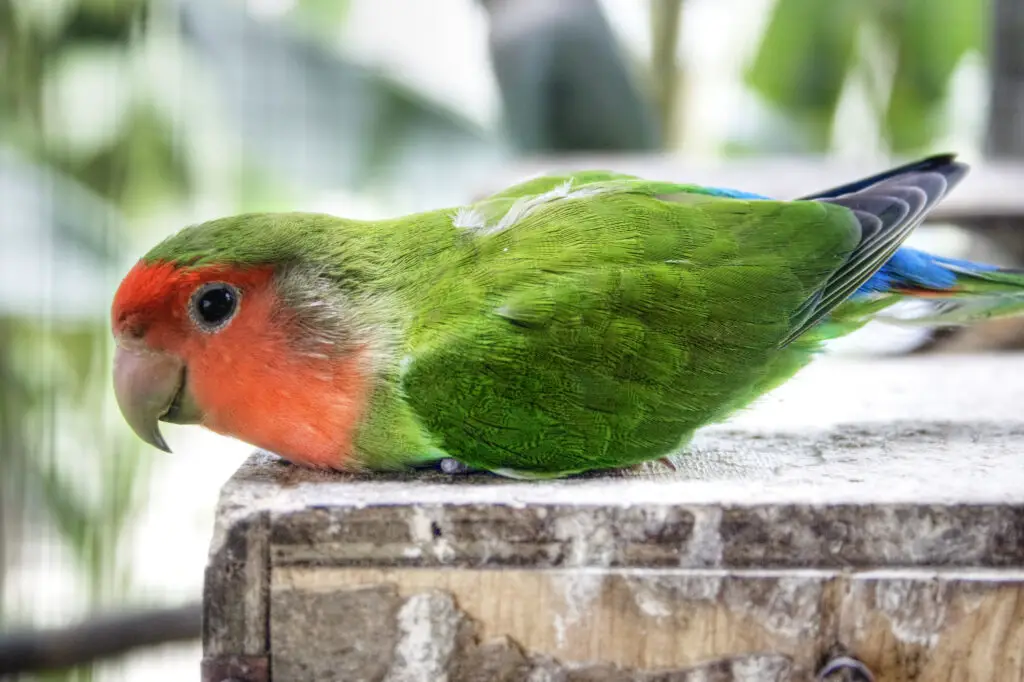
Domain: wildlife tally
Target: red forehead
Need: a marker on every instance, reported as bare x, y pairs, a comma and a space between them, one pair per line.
149, 289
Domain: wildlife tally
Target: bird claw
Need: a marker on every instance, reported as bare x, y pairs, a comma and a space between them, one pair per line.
454, 467
667, 461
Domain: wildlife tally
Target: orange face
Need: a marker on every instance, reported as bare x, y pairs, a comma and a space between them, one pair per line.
215, 346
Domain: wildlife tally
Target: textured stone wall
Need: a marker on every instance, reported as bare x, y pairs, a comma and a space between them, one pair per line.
892, 531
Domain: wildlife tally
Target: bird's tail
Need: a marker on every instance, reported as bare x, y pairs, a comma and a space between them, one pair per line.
961, 293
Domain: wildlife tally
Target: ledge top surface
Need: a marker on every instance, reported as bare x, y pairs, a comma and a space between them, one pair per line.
937, 430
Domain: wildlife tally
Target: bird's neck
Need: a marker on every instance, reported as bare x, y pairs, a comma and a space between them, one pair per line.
409, 248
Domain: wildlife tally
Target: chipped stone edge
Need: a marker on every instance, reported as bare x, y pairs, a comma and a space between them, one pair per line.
237, 580
833, 536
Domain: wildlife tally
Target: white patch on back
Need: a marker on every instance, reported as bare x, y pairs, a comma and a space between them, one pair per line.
472, 218
469, 218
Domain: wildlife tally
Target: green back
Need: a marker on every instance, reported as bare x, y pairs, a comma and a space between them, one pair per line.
601, 330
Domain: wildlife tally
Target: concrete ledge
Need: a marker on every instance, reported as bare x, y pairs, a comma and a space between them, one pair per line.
874, 508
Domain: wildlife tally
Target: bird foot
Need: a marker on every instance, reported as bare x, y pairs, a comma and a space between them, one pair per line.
454, 467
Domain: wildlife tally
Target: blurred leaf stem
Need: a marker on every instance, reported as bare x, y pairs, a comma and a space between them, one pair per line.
667, 74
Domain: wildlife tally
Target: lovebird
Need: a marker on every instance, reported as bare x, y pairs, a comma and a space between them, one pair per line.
572, 322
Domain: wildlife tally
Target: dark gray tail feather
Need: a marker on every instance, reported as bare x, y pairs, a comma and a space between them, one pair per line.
889, 206
946, 164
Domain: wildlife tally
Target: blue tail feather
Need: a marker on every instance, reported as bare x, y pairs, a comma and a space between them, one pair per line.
911, 268
956, 291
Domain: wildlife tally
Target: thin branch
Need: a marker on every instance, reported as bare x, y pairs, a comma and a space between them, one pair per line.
100, 636
665, 28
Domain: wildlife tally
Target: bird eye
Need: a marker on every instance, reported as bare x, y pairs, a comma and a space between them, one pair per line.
213, 305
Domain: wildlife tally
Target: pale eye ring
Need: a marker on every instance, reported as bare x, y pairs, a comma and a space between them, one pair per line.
213, 305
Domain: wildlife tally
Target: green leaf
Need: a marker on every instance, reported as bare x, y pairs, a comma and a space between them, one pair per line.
322, 17
931, 39
803, 60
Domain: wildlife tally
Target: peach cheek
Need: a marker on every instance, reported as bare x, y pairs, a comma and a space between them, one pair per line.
254, 387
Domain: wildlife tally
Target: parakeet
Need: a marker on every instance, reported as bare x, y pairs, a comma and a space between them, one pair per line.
572, 322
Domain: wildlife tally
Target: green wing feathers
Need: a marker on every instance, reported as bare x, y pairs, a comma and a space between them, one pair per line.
601, 329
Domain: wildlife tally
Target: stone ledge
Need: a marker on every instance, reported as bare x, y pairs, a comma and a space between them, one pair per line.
886, 519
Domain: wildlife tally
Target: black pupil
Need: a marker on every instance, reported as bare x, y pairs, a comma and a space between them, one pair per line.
216, 305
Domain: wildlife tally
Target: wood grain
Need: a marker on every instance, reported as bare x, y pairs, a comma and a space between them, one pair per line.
906, 626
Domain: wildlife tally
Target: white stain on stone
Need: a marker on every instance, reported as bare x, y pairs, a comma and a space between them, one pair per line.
579, 591
547, 671
419, 525
786, 603
704, 546
762, 668
916, 610
587, 535
422, 521
702, 586
662, 596
790, 608
428, 624
649, 603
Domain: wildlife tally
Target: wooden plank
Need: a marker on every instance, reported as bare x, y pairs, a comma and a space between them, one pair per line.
939, 627
756, 625
642, 621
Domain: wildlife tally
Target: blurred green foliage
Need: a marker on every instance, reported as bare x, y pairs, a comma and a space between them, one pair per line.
907, 51
67, 479
667, 74
76, 102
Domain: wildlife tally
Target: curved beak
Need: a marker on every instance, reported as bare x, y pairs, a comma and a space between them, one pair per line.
151, 387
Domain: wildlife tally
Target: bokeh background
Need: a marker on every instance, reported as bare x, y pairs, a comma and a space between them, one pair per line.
123, 120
